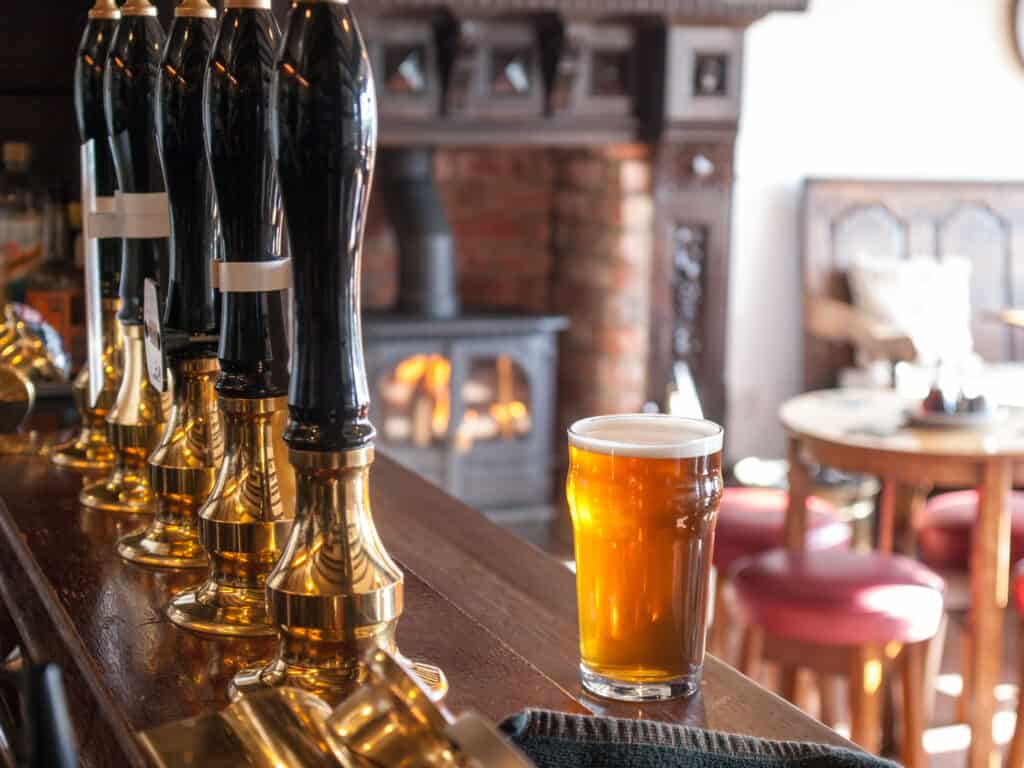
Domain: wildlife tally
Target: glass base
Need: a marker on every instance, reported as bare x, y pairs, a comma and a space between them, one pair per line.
609, 688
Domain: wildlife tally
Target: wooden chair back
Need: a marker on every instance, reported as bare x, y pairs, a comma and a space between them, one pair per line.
980, 221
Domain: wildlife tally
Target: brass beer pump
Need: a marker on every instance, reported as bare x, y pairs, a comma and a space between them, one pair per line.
137, 418
389, 720
335, 593
245, 521
183, 466
90, 450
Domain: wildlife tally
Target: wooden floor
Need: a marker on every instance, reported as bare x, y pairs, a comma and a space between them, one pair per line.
946, 740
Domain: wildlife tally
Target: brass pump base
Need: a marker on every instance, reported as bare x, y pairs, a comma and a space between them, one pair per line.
244, 524
182, 471
335, 593
134, 426
90, 450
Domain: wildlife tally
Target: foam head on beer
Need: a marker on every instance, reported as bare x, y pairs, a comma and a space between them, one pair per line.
650, 436
644, 492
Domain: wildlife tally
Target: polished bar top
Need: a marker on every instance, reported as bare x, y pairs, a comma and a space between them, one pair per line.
497, 614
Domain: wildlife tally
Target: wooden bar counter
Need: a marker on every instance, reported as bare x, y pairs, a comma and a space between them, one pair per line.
495, 613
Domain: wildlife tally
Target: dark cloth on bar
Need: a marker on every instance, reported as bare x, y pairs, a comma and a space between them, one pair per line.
560, 740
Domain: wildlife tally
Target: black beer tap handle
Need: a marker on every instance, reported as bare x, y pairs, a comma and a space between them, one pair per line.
92, 126
325, 136
253, 343
130, 76
190, 299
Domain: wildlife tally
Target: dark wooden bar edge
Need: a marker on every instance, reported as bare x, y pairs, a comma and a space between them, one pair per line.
50, 635
496, 613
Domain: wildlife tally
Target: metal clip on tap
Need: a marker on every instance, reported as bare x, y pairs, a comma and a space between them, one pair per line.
335, 593
137, 418
183, 466
245, 521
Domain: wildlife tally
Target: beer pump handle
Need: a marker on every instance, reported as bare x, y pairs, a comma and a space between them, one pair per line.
325, 133
189, 306
253, 348
92, 128
130, 77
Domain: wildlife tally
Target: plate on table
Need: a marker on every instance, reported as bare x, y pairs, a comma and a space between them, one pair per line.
919, 417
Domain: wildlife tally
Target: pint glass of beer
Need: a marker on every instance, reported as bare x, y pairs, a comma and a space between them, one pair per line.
644, 492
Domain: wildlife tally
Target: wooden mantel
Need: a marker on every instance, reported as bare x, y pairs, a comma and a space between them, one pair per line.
683, 10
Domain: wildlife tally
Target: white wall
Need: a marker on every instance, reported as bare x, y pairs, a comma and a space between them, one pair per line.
911, 89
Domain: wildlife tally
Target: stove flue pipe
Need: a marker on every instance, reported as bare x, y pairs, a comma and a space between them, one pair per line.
426, 273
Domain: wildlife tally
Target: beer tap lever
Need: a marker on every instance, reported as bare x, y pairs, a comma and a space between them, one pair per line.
335, 592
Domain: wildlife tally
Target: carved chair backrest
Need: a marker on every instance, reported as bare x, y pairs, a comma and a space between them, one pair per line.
980, 221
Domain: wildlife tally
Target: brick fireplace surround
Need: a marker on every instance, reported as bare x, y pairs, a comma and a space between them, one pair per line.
558, 231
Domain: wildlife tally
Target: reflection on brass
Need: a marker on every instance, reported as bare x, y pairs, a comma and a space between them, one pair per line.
22, 349
134, 426
335, 593
182, 470
91, 450
259, 4
244, 523
17, 397
196, 8
138, 8
105, 9
390, 720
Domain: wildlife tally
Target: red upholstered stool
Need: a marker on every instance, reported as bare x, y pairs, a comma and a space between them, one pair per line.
752, 520
843, 612
945, 530
1015, 757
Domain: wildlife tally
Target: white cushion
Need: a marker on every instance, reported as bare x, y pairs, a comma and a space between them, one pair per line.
928, 300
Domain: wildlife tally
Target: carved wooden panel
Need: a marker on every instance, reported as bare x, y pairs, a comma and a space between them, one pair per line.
689, 256
406, 68
980, 221
868, 230
979, 234
496, 72
595, 72
690, 271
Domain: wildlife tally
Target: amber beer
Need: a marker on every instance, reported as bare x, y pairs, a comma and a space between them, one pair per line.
644, 492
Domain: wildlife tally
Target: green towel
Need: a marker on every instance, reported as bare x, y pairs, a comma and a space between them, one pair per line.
560, 740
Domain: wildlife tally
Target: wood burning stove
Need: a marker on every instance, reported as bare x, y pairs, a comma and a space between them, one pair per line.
467, 400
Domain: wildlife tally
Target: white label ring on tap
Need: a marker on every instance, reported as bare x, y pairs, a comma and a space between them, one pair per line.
252, 276
145, 215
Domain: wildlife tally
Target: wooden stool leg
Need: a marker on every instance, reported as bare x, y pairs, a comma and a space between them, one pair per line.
789, 684
718, 641
963, 702
1015, 758
866, 697
912, 670
932, 666
828, 693
752, 651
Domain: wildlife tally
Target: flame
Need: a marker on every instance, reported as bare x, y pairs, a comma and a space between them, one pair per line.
435, 373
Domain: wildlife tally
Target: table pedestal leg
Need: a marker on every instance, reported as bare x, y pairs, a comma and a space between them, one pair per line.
990, 569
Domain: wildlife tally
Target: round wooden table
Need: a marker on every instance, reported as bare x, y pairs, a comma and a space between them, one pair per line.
866, 431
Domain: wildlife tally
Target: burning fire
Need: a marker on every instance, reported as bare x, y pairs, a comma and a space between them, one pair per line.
435, 374
421, 387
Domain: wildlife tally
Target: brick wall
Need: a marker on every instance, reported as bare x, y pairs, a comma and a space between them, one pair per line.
549, 230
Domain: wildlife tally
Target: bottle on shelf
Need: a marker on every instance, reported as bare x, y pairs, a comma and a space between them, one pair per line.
21, 218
